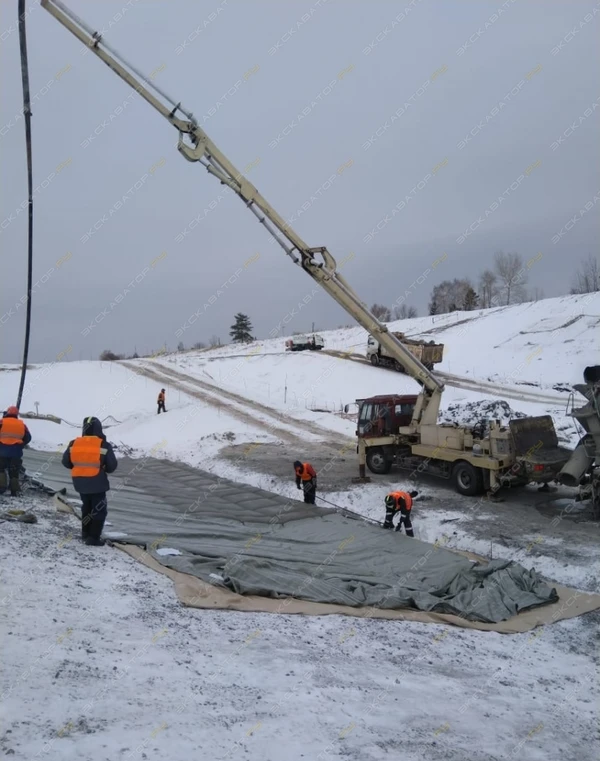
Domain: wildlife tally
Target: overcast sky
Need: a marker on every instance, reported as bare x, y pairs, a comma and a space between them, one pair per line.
512, 77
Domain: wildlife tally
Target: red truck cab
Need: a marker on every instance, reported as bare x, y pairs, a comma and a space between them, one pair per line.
384, 415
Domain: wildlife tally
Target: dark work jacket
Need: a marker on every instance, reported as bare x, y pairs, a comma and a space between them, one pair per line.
108, 463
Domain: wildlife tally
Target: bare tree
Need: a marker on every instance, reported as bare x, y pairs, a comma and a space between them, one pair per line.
382, 313
404, 312
449, 295
587, 279
512, 276
487, 288
199, 345
214, 341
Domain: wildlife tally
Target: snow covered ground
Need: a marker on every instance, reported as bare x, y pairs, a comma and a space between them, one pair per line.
102, 663
125, 672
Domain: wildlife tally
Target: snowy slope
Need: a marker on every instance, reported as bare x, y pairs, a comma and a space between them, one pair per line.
544, 345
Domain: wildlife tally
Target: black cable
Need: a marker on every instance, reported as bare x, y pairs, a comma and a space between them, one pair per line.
27, 114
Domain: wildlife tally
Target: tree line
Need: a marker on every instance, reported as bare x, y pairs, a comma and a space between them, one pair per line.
503, 284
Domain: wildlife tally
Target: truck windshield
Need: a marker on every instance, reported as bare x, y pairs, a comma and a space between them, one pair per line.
364, 418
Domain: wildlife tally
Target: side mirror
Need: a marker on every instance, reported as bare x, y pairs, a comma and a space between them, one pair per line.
346, 407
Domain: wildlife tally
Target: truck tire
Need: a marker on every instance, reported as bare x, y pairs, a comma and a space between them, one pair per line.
374, 360
467, 479
399, 367
377, 462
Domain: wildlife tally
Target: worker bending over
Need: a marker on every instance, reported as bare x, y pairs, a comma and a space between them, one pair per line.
89, 458
399, 502
306, 479
14, 435
161, 401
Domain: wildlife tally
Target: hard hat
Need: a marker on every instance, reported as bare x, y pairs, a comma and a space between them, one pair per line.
12, 410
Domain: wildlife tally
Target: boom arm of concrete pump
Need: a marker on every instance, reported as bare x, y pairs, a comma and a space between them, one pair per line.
195, 145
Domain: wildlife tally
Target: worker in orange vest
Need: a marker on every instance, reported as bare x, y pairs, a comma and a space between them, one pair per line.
161, 401
89, 458
399, 502
306, 479
14, 435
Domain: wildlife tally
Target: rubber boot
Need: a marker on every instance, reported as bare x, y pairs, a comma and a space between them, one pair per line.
15, 487
3, 481
96, 527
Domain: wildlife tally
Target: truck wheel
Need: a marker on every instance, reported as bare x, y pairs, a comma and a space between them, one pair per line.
374, 360
399, 367
467, 479
377, 462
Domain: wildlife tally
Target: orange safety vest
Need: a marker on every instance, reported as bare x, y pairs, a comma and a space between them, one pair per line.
12, 431
398, 495
86, 456
308, 472
161, 397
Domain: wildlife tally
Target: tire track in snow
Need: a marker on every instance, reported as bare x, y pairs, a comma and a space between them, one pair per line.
215, 401
216, 396
470, 384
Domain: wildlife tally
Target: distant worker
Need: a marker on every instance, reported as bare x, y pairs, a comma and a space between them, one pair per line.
161, 402
306, 479
14, 435
89, 458
399, 502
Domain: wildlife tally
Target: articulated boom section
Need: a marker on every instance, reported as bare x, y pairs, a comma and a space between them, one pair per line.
195, 145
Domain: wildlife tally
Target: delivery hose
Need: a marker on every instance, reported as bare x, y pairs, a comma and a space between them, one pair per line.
27, 115
352, 512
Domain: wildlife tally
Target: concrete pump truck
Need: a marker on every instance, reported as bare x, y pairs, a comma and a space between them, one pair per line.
392, 430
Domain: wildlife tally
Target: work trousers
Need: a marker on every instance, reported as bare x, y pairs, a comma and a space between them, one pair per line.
161, 408
93, 514
13, 466
310, 491
404, 519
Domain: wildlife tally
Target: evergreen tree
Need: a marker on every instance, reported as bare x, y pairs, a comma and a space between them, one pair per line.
470, 301
241, 330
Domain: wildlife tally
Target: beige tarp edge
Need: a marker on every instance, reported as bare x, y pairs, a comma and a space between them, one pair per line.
195, 593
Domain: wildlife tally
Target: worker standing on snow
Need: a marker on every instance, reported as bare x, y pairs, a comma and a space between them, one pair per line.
161, 401
399, 502
306, 479
14, 435
89, 458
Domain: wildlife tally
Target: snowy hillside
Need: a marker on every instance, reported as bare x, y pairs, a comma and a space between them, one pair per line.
531, 353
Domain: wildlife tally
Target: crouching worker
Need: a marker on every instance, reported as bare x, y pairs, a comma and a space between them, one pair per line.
399, 502
306, 479
89, 458
14, 435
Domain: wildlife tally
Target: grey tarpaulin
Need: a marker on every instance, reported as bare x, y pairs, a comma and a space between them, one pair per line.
256, 543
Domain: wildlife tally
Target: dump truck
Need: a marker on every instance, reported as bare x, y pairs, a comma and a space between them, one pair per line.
304, 343
476, 457
427, 352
